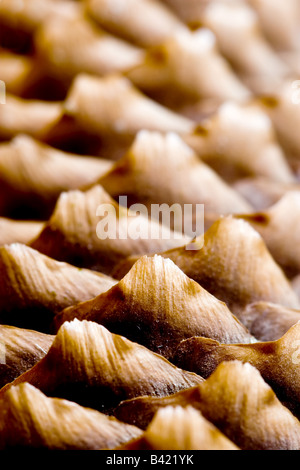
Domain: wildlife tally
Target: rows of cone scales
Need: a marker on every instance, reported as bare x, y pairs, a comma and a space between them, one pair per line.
178, 428
89, 229
232, 262
99, 53
277, 361
157, 305
198, 54
239, 141
49, 172
257, 59
35, 287
237, 400
113, 107
155, 346
149, 225
90, 371
141, 176
30, 419
88, 364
